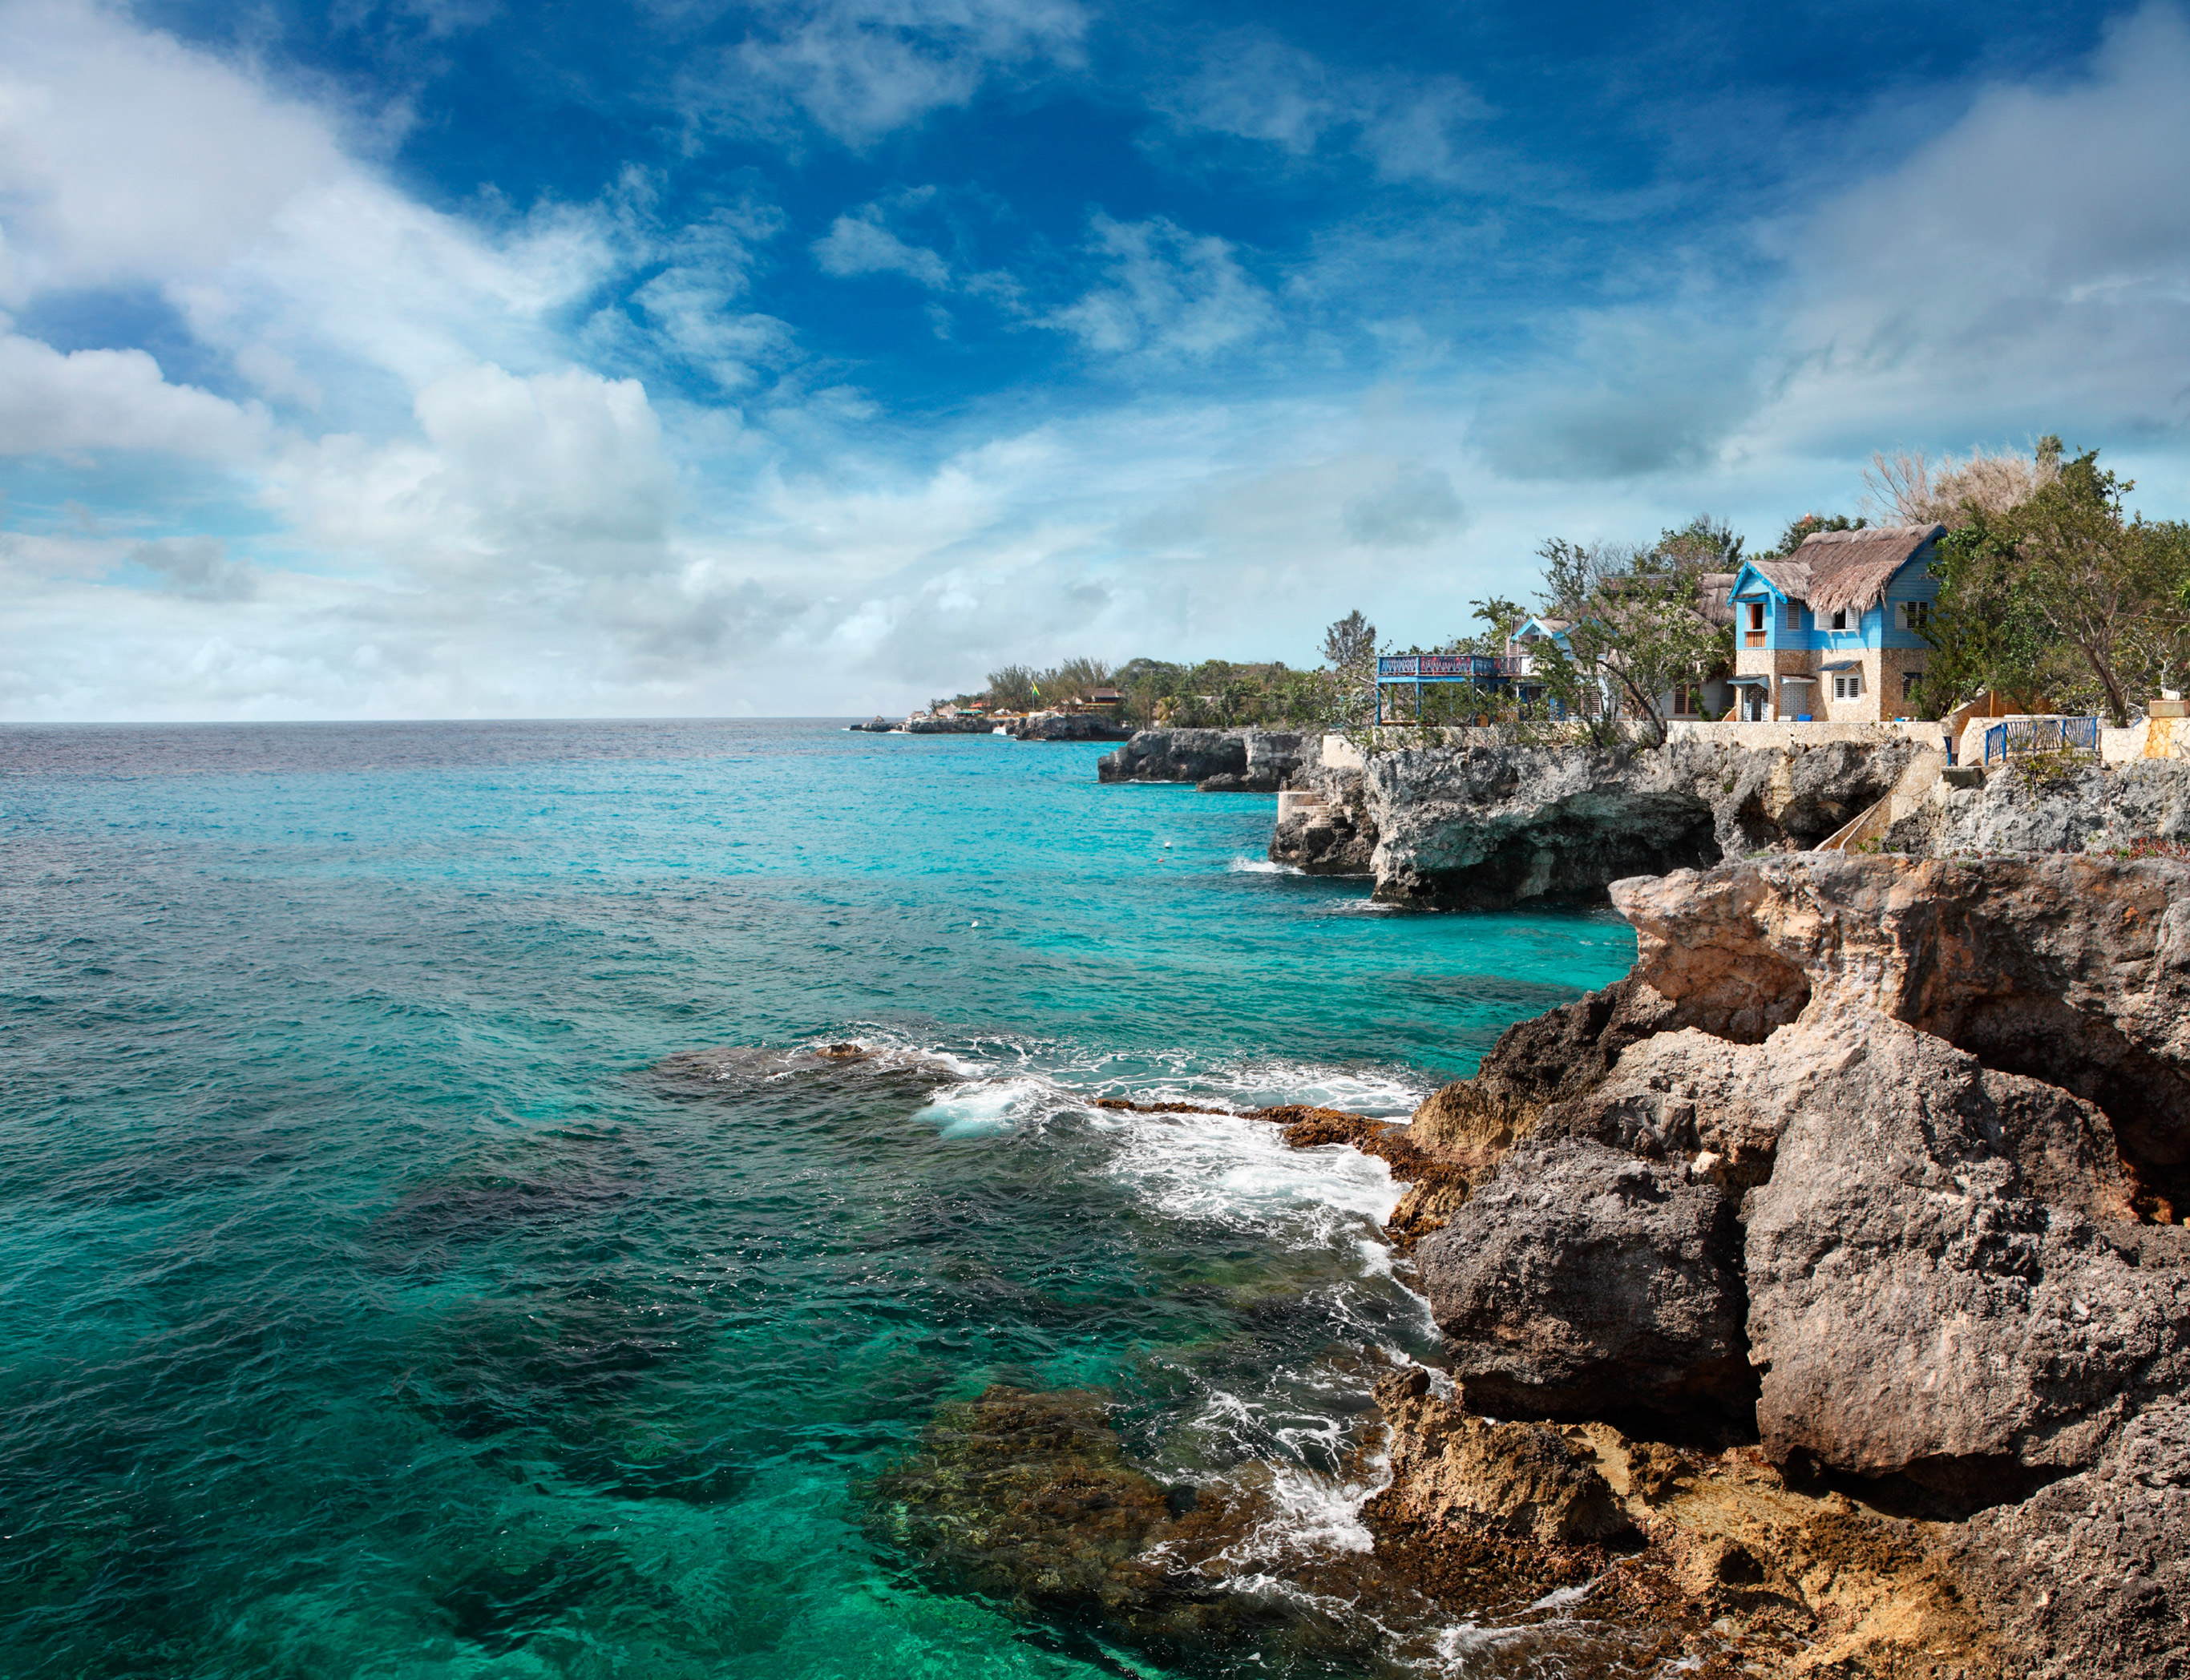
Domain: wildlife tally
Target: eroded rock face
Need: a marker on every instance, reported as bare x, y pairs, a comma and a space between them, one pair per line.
1944, 1102
2079, 807
2092, 1573
1523, 1479
2074, 970
1581, 1279
1336, 838
1216, 761
1488, 826
1916, 1303
1070, 726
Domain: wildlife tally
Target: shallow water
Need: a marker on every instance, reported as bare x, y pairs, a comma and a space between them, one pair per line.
377, 1302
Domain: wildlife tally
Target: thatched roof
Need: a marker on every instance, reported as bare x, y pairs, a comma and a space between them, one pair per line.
1851, 568
1790, 577
1715, 596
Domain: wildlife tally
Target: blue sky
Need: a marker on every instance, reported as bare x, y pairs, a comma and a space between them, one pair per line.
454, 358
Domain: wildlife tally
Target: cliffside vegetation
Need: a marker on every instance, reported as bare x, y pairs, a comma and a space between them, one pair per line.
1207, 694
2049, 589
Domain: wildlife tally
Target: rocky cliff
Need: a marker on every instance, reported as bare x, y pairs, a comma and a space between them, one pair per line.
1069, 726
1865, 1192
1216, 761
2046, 805
1483, 827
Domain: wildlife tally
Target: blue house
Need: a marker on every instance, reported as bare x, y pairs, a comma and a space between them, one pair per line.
1834, 631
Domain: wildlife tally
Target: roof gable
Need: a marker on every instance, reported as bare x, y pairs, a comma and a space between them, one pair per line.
1782, 577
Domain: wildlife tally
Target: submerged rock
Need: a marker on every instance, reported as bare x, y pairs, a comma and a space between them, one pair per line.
738, 1070
1027, 1498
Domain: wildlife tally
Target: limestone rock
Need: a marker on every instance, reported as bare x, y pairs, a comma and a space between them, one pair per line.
1336, 838
2092, 1575
1915, 1304
1070, 726
1216, 761
2078, 807
2074, 970
1580, 1279
1472, 1122
1521, 1479
1483, 826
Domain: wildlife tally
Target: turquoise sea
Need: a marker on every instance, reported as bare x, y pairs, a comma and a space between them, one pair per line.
376, 1301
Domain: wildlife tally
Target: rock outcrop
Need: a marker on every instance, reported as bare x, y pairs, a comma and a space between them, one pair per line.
1216, 761
2046, 805
2072, 969
1896, 1149
1488, 826
1520, 1480
1070, 726
1583, 1280
2092, 1575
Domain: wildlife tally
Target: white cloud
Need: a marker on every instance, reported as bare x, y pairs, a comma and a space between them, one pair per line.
859, 244
126, 157
198, 567
1253, 86
538, 483
93, 399
859, 69
1169, 293
2028, 267
1412, 508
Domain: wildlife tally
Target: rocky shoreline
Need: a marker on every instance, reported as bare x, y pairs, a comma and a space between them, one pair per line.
1217, 761
1483, 827
1814, 1300
1031, 726
1876, 1162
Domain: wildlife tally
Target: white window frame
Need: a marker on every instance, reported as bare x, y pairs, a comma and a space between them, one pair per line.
1912, 614
1847, 685
1839, 618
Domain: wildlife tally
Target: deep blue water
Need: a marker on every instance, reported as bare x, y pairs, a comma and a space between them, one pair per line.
372, 1303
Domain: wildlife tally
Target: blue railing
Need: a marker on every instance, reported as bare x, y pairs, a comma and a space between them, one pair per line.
2040, 734
1444, 668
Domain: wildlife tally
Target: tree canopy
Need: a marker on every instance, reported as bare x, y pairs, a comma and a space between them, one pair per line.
2060, 593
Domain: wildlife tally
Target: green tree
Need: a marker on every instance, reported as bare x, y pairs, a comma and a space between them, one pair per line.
1348, 641
1808, 526
1634, 621
2071, 580
1500, 618
1349, 652
1012, 687
1704, 544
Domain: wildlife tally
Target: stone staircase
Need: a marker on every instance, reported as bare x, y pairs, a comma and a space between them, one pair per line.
1910, 789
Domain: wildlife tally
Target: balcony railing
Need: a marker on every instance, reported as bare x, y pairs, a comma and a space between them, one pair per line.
1449, 667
